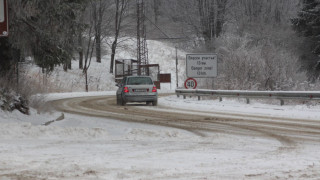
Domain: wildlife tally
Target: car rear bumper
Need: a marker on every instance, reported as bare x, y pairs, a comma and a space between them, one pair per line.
140, 98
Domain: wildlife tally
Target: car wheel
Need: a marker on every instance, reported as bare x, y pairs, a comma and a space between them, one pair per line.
122, 102
148, 103
155, 103
118, 101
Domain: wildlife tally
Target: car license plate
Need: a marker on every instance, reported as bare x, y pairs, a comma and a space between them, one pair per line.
140, 90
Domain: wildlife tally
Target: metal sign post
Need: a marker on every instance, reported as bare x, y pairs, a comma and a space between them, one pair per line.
2, 11
3, 18
177, 78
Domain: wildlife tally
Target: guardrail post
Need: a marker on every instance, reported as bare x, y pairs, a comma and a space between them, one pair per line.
281, 102
199, 98
220, 99
248, 100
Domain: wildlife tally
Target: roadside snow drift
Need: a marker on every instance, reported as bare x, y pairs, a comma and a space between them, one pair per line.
80, 147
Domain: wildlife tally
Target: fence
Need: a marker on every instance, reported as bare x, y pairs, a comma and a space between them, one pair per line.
280, 95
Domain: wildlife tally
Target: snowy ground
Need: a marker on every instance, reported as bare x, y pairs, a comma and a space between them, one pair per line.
80, 147
236, 106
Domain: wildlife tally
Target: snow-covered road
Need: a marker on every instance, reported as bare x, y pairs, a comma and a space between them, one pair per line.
160, 142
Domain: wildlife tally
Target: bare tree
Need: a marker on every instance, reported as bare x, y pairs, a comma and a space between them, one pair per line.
99, 8
156, 10
272, 12
80, 32
80, 49
203, 19
89, 46
212, 18
120, 9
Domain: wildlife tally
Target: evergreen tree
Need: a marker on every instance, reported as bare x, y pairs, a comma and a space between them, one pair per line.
307, 24
45, 29
5, 56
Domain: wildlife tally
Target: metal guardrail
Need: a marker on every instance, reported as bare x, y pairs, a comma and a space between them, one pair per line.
280, 95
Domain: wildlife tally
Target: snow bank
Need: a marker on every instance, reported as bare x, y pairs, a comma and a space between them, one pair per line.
27, 131
238, 106
53, 132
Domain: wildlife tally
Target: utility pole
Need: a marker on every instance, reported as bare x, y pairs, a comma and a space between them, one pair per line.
142, 51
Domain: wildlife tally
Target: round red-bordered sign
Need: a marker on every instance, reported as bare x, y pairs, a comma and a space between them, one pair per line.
190, 83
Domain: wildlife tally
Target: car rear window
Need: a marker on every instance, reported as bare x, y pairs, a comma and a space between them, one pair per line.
139, 81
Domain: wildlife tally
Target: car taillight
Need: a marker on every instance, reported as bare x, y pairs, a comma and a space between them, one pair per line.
154, 89
125, 89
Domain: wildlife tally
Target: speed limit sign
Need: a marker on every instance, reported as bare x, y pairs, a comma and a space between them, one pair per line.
190, 83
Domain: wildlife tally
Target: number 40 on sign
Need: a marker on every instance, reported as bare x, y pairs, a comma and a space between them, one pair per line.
190, 83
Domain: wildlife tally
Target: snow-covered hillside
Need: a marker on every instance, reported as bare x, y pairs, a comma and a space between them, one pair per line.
98, 74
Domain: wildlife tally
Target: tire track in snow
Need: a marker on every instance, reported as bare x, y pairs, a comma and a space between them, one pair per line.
286, 131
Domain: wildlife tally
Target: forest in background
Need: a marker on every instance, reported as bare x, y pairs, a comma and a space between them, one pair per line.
261, 44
